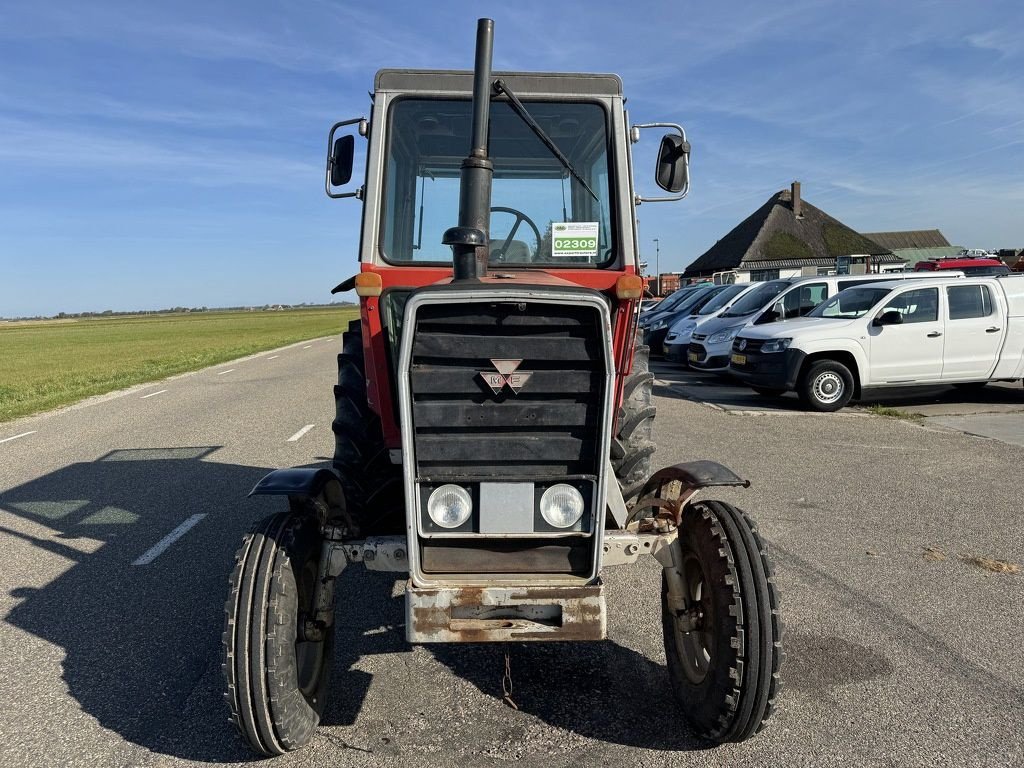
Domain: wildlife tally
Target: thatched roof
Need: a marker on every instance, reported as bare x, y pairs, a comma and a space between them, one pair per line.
773, 234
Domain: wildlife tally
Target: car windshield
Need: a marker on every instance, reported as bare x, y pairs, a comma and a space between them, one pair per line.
757, 298
724, 297
851, 303
693, 300
540, 214
673, 299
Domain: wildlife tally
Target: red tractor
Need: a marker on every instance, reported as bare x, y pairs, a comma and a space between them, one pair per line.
494, 413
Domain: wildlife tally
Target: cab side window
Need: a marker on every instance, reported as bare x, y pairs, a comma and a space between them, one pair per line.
799, 301
966, 301
920, 306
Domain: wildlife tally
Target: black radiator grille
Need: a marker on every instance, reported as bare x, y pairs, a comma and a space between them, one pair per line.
551, 427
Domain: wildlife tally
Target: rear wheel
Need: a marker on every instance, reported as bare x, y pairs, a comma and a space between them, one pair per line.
723, 633
633, 444
372, 484
277, 662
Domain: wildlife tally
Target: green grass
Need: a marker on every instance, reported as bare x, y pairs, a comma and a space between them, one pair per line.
47, 364
894, 413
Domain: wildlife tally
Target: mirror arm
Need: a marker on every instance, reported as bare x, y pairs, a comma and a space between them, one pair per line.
634, 135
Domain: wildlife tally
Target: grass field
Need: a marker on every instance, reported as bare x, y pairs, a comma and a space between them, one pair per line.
46, 364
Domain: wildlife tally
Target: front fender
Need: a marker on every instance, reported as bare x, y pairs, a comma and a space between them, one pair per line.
668, 490
849, 346
301, 484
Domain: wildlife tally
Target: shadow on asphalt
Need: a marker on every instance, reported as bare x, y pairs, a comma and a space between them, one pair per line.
139, 640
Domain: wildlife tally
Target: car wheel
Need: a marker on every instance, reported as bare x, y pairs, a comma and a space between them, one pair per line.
826, 386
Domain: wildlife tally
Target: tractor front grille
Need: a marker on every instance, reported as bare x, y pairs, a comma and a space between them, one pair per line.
544, 421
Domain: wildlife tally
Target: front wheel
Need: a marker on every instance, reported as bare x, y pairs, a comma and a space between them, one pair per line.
277, 660
720, 616
826, 386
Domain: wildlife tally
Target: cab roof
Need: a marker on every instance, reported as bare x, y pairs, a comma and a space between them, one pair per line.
460, 82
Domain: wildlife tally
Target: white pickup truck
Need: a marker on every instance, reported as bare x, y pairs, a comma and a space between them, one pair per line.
966, 332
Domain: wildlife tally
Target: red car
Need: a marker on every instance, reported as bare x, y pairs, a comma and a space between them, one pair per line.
970, 267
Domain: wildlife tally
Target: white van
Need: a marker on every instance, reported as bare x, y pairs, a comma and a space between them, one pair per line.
774, 301
966, 332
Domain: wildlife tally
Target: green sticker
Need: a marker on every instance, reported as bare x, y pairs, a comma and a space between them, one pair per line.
574, 238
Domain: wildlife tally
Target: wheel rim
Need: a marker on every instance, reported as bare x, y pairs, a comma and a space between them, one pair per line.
695, 625
309, 654
828, 387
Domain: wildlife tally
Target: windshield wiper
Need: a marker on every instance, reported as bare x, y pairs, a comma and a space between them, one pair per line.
519, 109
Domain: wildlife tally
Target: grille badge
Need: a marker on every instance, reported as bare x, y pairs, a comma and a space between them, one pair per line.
742, 345
506, 374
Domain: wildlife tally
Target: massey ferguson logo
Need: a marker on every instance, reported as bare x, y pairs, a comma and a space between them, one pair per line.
506, 375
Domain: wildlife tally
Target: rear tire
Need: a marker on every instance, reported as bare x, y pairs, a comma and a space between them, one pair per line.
723, 646
276, 679
372, 484
633, 444
826, 386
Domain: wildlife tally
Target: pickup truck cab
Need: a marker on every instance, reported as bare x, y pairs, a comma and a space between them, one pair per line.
962, 331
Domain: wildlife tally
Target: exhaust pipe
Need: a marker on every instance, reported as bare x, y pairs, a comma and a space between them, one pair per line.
471, 238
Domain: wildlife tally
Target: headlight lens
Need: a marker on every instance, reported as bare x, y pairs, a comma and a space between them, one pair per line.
727, 335
659, 325
449, 506
776, 345
561, 505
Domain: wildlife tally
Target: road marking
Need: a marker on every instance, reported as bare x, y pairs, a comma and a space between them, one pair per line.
161, 546
153, 394
23, 434
229, 370
307, 346
272, 357
300, 433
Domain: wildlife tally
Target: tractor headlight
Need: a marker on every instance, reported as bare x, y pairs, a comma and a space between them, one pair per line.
776, 345
449, 506
561, 505
727, 335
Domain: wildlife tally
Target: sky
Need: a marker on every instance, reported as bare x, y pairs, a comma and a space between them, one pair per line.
164, 154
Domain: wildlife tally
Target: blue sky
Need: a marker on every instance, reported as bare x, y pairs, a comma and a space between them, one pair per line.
167, 154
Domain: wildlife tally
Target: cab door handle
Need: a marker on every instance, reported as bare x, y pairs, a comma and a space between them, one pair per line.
934, 334
993, 330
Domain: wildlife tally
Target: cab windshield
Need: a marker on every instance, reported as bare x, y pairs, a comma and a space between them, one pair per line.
756, 299
723, 298
540, 214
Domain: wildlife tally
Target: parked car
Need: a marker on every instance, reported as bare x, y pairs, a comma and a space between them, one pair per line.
667, 303
975, 267
677, 340
654, 334
648, 304
965, 332
773, 301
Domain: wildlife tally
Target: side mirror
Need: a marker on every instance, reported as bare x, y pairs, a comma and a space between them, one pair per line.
673, 170
340, 155
892, 317
340, 164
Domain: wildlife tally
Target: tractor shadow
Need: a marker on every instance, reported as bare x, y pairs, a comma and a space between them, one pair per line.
603, 690
140, 643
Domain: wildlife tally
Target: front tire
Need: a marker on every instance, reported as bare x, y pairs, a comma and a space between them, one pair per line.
276, 663
723, 634
826, 386
633, 444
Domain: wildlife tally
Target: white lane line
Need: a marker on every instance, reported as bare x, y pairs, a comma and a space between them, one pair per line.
221, 373
300, 433
272, 357
161, 546
307, 346
153, 394
23, 434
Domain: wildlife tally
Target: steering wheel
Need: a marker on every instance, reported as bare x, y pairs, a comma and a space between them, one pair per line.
499, 253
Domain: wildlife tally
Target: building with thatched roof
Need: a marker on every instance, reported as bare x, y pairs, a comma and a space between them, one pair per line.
789, 237
915, 245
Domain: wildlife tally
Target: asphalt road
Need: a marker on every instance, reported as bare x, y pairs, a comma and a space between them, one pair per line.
109, 643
